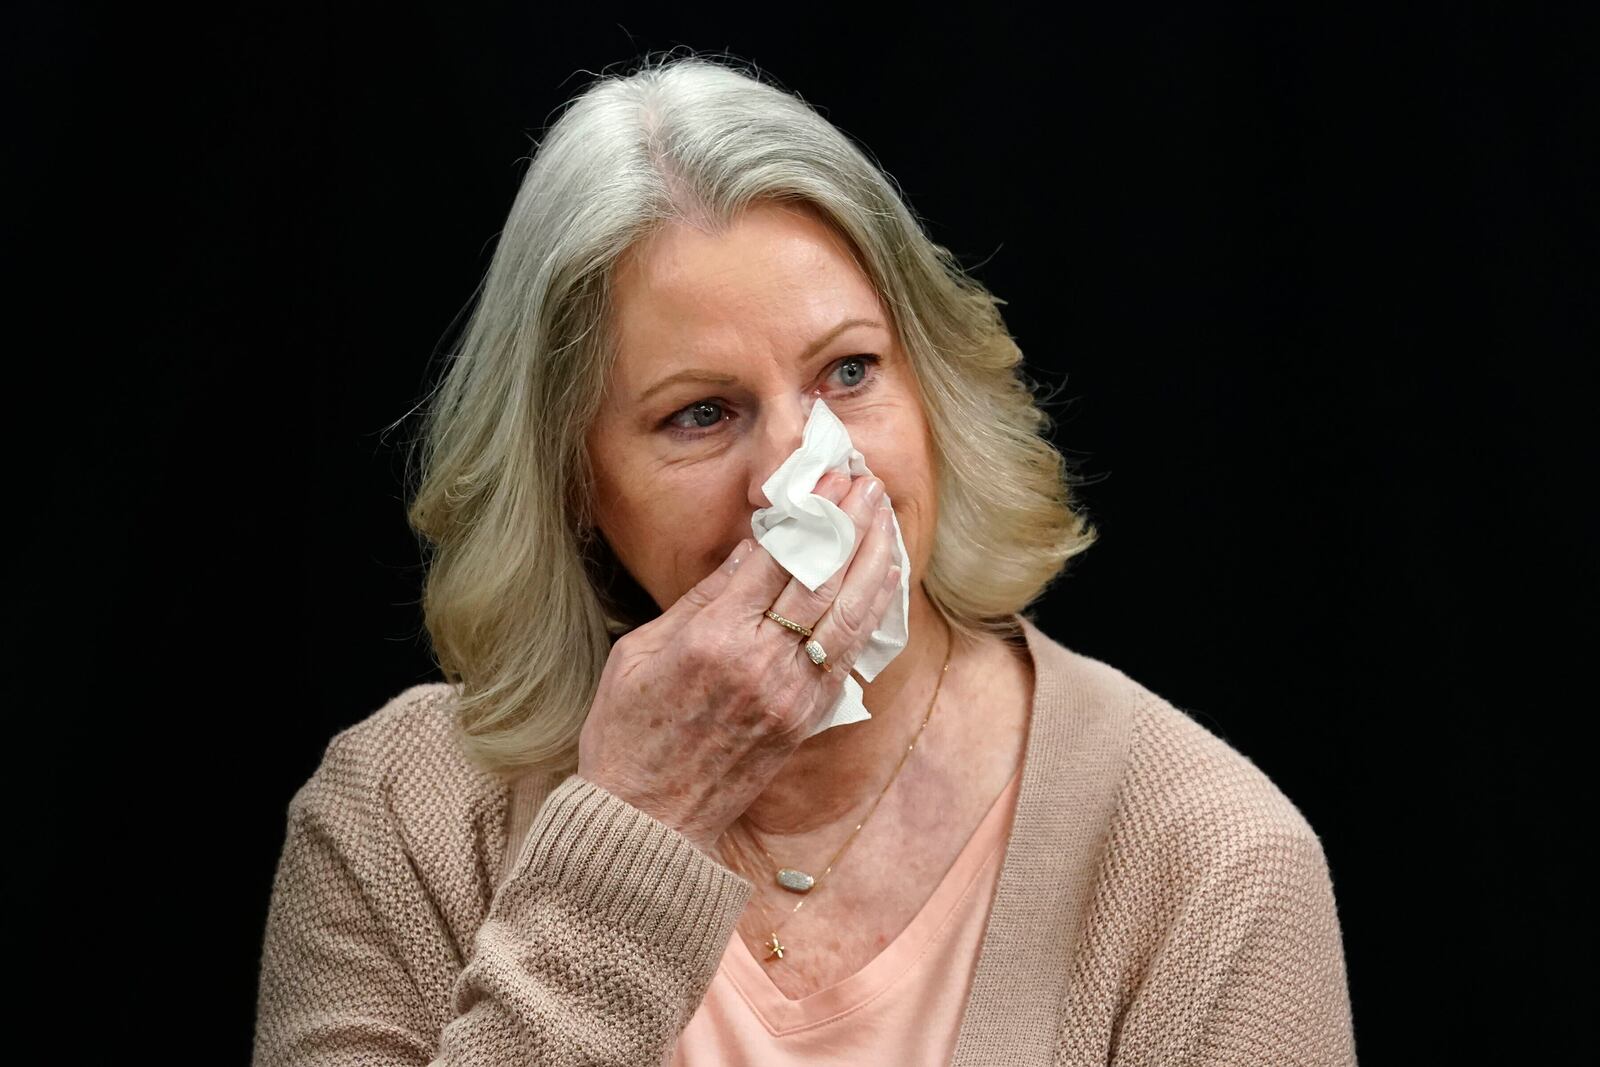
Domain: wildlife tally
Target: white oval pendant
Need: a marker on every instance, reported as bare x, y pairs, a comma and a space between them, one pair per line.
795, 881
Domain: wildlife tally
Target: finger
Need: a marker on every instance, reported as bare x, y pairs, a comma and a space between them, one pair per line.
844, 660
833, 486
806, 606
852, 616
762, 580
887, 590
704, 592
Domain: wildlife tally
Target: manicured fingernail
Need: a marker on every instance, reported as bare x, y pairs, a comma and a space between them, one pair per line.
891, 579
874, 491
738, 556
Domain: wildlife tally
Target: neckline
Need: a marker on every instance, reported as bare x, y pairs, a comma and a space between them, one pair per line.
781, 1015
1080, 735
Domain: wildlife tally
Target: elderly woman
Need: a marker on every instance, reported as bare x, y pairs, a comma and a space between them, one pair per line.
638, 824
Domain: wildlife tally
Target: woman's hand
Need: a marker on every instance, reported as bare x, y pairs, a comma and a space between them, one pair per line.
698, 709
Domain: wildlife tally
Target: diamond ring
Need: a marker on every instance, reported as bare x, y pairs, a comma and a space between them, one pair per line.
818, 656
804, 631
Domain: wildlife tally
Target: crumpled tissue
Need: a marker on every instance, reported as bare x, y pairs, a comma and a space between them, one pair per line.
811, 538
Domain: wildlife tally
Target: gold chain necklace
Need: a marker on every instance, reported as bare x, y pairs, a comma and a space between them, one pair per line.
798, 881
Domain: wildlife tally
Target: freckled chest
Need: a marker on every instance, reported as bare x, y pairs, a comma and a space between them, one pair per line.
899, 858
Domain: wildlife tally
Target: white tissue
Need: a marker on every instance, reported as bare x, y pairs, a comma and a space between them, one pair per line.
811, 537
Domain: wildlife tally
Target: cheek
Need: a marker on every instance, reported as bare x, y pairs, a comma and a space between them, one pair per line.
902, 459
897, 452
675, 529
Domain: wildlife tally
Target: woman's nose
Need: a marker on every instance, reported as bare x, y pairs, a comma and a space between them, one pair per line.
783, 425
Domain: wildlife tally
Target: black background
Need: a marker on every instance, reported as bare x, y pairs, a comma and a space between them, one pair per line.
1314, 292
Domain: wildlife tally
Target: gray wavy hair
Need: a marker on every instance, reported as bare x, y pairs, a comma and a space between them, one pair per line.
522, 599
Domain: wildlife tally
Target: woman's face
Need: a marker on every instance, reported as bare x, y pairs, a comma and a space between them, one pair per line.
724, 345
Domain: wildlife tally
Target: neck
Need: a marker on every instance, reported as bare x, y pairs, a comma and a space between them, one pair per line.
839, 772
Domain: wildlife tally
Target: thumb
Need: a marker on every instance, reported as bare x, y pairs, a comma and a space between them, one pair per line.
700, 595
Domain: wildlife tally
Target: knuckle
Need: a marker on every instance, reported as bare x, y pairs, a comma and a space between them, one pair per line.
850, 612
697, 596
828, 591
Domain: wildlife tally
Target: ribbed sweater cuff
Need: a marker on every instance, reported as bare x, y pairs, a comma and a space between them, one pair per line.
636, 871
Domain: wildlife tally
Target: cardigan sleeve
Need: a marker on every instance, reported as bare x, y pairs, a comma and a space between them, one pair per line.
1252, 970
1281, 991
597, 948
601, 943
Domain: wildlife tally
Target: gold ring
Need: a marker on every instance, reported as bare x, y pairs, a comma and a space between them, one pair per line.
818, 656
804, 631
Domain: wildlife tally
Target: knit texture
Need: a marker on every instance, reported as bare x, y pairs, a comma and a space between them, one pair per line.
1160, 902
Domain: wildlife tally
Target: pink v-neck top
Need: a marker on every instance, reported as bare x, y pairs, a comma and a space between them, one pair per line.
905, 1006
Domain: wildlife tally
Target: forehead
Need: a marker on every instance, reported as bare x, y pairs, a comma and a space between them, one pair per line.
780, 269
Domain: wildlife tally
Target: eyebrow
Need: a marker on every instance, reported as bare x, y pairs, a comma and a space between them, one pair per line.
710, 378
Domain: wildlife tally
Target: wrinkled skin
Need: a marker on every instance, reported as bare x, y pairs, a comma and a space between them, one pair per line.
699, 708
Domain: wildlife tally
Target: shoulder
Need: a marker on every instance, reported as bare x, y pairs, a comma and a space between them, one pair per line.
1202, 850
409, 735
1217, 903
1191, 790
399, 771
1211, 920
1178, 795
395, 835
1201, 838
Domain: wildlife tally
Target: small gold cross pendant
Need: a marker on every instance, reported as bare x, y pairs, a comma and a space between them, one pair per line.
774, 946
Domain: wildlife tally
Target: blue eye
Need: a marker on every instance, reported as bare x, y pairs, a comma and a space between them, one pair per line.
707, 408
855, 361
700, 418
